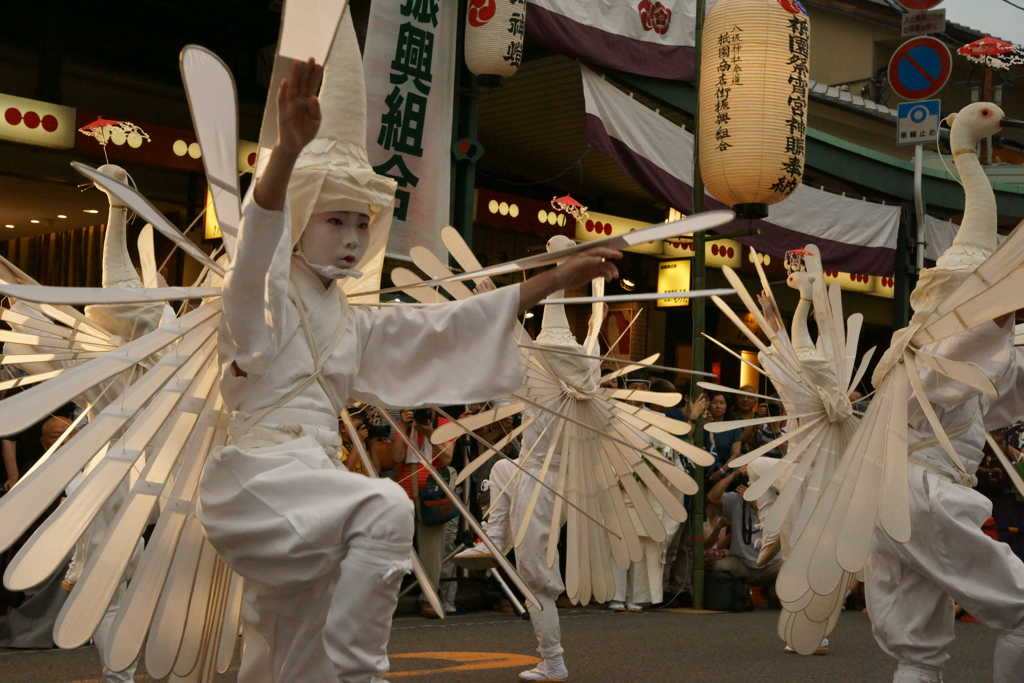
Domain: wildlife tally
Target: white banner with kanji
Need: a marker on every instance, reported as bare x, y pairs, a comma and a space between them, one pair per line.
409, 62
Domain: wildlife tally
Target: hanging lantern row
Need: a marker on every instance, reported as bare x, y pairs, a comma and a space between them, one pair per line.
754, 82
495, 30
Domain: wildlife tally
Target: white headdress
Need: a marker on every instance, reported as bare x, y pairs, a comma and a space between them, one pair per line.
333, 172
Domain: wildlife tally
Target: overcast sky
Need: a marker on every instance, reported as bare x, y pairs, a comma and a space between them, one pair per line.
994, 17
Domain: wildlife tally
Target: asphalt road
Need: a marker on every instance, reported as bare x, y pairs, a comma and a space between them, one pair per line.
601, 646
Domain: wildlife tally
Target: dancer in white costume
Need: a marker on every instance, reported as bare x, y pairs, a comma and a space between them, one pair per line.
813, 378
911, 586
322, 549
510, 497
567, 421
904, 499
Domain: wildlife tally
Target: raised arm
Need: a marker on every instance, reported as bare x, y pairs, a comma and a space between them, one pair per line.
298, 122
251, 303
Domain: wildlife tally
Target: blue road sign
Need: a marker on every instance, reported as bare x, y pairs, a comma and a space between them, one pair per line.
918, 122
920, 67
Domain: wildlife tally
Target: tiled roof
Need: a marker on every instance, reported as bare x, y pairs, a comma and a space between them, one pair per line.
842, 96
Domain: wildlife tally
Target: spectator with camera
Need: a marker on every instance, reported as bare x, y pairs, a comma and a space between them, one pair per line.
433, 510
744, 532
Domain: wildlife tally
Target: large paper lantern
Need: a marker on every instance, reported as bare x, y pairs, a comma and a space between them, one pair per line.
754, 75
494, 36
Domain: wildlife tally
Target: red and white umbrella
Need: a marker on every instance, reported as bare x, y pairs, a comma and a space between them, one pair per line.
992, 52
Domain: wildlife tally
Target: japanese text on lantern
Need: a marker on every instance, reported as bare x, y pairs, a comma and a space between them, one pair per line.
730, 72
799, 53
517, 31
401, 126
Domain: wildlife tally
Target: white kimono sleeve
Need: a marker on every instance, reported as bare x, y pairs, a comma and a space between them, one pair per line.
462, 352
256, 289
988, 346
1009, 407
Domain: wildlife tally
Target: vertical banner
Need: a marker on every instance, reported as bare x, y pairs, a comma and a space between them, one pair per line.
409, 61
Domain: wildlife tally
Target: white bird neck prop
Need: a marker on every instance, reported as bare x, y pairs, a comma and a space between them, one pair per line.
554, 327
975, 240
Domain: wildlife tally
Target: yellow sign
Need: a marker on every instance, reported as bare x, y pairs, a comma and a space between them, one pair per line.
34, 122
674, 276
596, 226
211, 228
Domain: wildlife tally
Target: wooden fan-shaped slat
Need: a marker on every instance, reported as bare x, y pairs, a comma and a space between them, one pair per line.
29, 358
149, 582
729, 425
168, 627
625, 370
659, 420
229, 629
865, 361
26, 408
867, 488
462, 254
202, 592
452, 430
669, 500
697, 456
557, 514
29, 324
23, 505
405, 278
624, 474
665, 399
84, 609
853, 327
26, 380
428, 262
50, 342
735, 355
54, 540
753, 455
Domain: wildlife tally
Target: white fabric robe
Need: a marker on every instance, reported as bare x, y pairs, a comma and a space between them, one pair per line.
911, 586
274, 503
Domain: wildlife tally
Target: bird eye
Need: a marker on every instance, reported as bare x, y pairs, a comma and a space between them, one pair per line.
986, 113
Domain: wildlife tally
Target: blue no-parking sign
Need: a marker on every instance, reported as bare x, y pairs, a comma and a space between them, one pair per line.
918, 122
920, 67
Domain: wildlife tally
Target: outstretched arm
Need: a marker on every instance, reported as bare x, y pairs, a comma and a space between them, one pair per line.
575, 271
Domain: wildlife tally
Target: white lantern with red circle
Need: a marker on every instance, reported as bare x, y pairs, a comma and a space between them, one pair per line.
494, 36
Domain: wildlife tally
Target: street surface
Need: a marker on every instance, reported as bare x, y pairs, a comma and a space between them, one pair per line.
601, 646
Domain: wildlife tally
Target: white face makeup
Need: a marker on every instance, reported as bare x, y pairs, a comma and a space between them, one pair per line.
334, 242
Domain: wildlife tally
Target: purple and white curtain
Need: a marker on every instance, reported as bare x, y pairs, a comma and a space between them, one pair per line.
647, 37
853, 235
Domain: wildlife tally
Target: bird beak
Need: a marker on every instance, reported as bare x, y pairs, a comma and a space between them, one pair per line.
1012, 123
